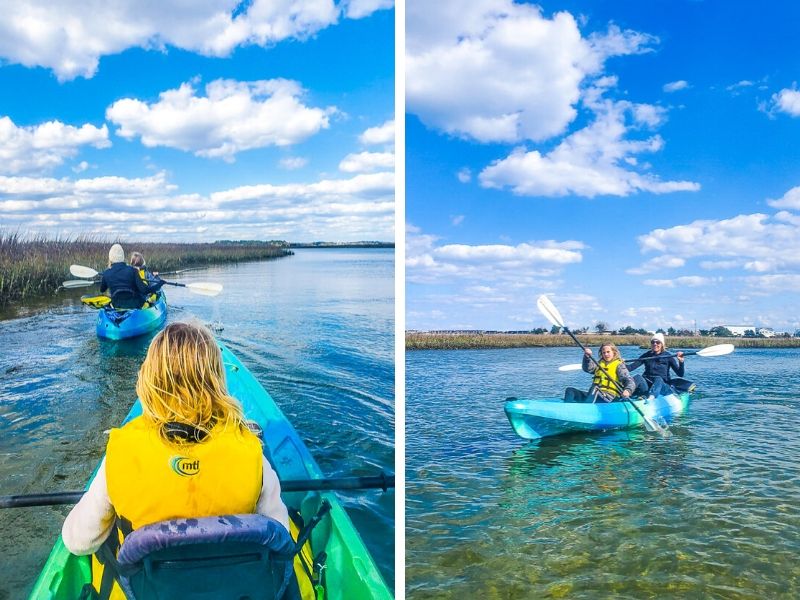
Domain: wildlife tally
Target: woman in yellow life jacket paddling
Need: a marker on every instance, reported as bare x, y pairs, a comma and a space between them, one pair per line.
190, 454
608, 381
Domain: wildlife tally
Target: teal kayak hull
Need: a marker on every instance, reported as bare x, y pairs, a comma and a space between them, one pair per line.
119, 325
350, 570
534, 419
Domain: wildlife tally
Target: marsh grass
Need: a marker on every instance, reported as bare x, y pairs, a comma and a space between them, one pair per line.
32, 267
467, 341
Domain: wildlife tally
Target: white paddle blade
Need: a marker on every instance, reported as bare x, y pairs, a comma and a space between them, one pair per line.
80, 271
205, 288
718, 350
77, 283
549, 311
572, 367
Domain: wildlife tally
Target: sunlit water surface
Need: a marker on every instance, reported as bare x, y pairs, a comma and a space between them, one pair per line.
711, 512
316, 329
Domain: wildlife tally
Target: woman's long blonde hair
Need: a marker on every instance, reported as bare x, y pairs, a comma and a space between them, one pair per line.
182, 381
137, 260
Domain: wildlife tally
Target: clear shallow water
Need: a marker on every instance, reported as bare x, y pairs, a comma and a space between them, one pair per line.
316, 329
711, 512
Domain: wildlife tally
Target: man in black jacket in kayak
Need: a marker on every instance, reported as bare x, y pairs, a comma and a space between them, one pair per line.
124, 285
657, 364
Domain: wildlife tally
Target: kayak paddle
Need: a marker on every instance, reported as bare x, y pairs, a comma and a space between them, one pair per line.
548, 309
381, 482
202, 288
76, 283
81, 271
718, 350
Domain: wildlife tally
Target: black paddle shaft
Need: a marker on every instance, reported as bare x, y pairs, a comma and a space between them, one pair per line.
381, 482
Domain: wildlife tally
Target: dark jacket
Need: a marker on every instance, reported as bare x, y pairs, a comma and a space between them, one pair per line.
657, 367
126, 287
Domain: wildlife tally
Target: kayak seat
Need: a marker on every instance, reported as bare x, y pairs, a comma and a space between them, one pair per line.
125, 300
236, 557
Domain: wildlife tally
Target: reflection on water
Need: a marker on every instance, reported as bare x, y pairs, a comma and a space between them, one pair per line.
317, 329
713, 511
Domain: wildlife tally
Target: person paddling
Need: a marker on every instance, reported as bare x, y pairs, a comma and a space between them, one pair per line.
657, 364
123, 282
190, 454
138, 263
608, 381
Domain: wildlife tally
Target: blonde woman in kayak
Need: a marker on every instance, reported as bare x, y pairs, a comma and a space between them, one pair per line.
190, 453
608, 381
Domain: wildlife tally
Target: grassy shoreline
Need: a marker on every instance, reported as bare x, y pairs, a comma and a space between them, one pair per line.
482, 341
32, 268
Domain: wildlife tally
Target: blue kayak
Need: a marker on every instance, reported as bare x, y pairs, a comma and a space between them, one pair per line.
114, 324
534, 419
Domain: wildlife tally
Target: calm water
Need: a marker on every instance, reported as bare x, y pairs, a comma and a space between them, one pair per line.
712, 512
317, 331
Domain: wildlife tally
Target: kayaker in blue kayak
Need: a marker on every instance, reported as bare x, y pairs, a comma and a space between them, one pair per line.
138, 263
190, 454
123, 282
607, 382
656, 380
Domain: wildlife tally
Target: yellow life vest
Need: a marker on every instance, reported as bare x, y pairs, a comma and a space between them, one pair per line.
150, 480
142, 274
603, 382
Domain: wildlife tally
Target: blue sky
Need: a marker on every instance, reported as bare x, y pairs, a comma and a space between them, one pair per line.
265, 119
637, 161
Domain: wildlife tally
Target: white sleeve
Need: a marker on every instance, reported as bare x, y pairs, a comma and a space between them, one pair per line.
90, 521
269, 502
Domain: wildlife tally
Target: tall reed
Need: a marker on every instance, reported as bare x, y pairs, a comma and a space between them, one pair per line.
466, 341
35, 266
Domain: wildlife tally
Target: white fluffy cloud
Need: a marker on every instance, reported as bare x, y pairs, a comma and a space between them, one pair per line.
382, 134
364, 162
357, 9
749, 243
497, 71
232, 116
790, 200
42, 147
787, 101
674, 86
70, 37
429, 262
358, 208
658, 263
596, 160
685, 281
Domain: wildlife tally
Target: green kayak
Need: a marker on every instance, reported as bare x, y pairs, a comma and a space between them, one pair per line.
350, 571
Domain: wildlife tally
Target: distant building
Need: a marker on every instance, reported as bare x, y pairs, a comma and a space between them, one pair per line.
766, 332
738, 330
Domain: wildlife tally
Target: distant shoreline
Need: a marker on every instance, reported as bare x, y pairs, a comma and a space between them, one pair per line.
416, 340
342, 245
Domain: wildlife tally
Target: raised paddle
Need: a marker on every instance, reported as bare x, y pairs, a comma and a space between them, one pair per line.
381, 482
548, 309
204, 288
718, 350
